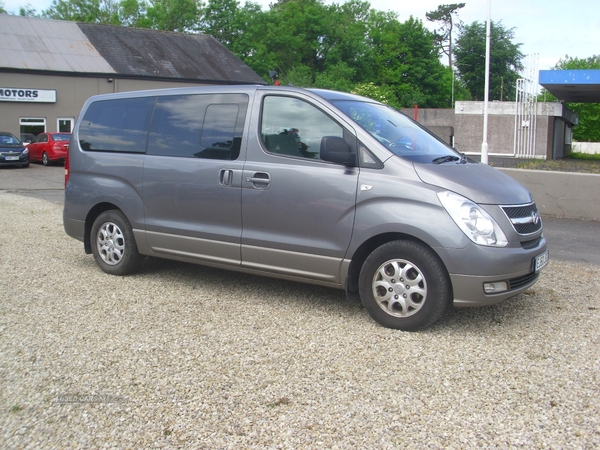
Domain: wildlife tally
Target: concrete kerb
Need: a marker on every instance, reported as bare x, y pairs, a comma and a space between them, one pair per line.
571, 195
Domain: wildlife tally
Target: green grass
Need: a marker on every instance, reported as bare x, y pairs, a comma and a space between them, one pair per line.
582, 163
585, 156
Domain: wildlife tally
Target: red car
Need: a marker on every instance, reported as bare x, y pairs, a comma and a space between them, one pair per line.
49, 148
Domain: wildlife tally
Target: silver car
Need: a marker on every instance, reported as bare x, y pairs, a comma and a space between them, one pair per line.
315, 186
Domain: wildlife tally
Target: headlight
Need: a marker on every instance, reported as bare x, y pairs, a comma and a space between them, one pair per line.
25, 152
477, 224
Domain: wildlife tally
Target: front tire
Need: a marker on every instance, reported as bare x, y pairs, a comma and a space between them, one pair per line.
404, 285
113, 244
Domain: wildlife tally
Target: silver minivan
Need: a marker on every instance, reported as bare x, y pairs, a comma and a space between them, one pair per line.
314, 186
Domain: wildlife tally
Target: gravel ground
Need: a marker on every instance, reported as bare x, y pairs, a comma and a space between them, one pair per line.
181, 356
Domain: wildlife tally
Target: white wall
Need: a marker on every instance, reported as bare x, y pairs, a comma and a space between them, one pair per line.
563, 194
586, 147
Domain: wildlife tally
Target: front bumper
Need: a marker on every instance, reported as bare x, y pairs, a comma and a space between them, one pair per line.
19, 162
469, 290
472, 267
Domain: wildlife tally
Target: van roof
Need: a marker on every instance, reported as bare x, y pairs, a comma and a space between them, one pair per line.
337, 95
325, 94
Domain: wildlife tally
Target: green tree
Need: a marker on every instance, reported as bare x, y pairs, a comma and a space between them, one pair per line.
296, 34
588, 129
95, 11
505, 60
221, 21
28, 11
405, 58
443, 36
347, 56
242, 30
168, 15
251, 43
133, 13
25, 11
174, 15
383, 94
306, 42
345, 46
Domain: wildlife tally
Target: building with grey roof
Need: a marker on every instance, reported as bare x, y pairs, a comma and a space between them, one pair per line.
49, 68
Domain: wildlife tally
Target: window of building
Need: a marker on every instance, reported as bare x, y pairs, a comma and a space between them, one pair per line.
65, 125
32, 126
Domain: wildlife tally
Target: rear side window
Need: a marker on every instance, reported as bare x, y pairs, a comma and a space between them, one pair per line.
119, 125
205, 126
218, 132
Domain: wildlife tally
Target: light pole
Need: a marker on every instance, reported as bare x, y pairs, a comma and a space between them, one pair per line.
484, 144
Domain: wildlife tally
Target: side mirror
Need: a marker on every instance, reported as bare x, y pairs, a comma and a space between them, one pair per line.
336, 149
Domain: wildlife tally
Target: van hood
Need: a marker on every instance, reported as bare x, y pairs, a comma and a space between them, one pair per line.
478, 182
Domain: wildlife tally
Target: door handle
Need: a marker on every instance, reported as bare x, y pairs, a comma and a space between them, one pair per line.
225, 177
260, 180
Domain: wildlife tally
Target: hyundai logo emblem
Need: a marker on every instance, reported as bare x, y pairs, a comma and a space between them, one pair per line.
535, 217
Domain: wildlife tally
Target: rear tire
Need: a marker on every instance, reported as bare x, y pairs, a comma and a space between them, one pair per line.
45, 160
113, 244
404, 285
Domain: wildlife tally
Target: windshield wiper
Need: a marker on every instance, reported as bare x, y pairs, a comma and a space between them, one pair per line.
445, 159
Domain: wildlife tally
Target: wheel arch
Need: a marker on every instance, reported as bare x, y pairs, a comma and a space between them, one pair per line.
367, 247
89, 222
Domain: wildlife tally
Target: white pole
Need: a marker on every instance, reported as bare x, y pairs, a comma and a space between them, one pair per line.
484, 144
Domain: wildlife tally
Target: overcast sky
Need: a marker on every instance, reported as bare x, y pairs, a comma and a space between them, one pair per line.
547, 29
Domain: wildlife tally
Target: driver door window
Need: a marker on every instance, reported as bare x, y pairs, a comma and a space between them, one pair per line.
292, 127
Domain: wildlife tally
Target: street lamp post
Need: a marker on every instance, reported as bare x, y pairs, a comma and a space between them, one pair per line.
484, 144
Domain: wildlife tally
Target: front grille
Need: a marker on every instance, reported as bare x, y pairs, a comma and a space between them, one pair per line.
518, 283
525, 219
530, 244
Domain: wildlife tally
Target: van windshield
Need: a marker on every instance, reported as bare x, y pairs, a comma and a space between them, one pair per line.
398, 133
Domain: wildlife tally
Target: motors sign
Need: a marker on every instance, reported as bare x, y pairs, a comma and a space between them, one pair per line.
27, 95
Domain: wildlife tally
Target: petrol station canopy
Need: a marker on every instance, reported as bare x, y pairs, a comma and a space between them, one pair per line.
574, 86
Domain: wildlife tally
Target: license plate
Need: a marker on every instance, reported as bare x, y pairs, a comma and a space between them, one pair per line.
11, 158
541, 261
